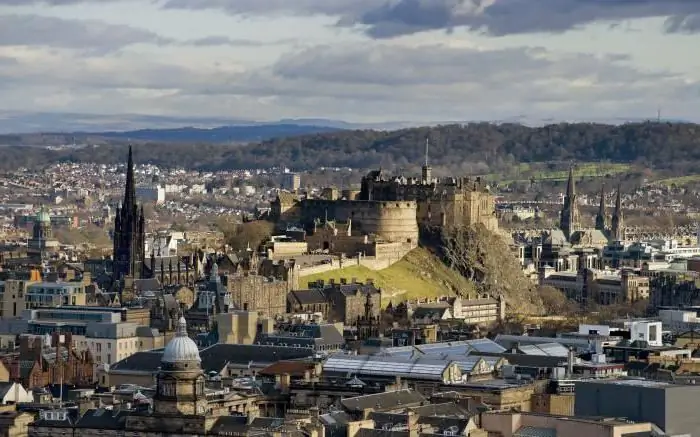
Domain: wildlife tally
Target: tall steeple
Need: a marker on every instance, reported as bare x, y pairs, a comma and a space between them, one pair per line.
600, 218
130, 188
617, 222
569, 217
129, 231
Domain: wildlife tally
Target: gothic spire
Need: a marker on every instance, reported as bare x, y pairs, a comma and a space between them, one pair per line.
130, 190
570, 186
617, 219
600, 217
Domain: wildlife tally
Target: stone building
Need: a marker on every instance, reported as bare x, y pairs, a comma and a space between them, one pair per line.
348, 300
50, 360
440, 202
182, 404
602, 287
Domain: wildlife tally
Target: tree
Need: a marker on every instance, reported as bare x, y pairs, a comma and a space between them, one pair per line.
555, 302
251, 234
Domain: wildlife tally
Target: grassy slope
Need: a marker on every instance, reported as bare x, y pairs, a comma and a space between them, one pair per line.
418, 274
524, 172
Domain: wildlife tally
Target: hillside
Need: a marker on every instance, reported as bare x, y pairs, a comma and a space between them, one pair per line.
225, 134
475, 148
418, 274
421, 273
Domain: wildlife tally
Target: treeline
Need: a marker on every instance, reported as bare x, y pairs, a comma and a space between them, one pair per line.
472, 148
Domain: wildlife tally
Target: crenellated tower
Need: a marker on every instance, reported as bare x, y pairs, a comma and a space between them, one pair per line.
569, 219
129, 232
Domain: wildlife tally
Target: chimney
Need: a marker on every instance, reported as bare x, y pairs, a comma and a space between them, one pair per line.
570, 362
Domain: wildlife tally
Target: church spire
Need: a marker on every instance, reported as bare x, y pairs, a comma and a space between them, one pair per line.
569, 216
571, 185
130, 189
617, 224
600, 217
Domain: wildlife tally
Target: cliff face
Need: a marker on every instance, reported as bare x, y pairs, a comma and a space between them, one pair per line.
485, 259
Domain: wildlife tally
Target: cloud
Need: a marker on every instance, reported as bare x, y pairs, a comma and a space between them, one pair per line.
35, 30
390, 18
93, 35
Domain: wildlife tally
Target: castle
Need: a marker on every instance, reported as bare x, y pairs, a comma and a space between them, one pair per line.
393, 208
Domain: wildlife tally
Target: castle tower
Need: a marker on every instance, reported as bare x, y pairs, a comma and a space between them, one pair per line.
600, 218
129, 232
427, 170
569, 218
180, 381
617, 222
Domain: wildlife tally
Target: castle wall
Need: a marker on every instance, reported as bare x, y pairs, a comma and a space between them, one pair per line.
392, 221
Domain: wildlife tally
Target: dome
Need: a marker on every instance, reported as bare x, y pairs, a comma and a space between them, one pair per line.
43, 216
181, 348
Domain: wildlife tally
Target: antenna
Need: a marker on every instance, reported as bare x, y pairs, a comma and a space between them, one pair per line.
658, 115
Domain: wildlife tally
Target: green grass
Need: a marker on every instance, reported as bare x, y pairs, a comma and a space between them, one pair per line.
680, 181
418, 274
525, 172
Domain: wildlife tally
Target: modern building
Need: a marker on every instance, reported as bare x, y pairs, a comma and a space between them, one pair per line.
51, 294
671, 407
151, 194
291, 182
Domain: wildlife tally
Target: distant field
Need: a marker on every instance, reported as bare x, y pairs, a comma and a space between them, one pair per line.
527, 171
418, 274
680, 181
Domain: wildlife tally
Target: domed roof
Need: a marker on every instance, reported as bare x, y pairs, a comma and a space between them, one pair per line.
181, 348
43, 216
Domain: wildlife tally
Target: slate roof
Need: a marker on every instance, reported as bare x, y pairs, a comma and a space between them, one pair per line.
216, 357
383, 401
308, 335
307, 297
5, 387
100, 418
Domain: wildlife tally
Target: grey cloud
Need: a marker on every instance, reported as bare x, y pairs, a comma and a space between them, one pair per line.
389, 18
267, 7
93, 36
212, 41
513, 16
375, 80
34, 30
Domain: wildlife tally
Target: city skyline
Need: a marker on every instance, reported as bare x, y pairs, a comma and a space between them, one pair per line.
360, 61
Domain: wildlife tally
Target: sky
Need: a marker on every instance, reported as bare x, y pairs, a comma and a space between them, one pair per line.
365, 61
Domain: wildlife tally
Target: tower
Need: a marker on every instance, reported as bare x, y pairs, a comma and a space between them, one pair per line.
427, 170
600, 218
569, 217
180, 381
617, 222
129, 232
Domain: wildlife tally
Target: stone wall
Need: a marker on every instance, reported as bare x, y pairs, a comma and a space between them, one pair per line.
392, 221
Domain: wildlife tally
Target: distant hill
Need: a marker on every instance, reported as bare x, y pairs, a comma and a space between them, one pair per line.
475, 148
225, 134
